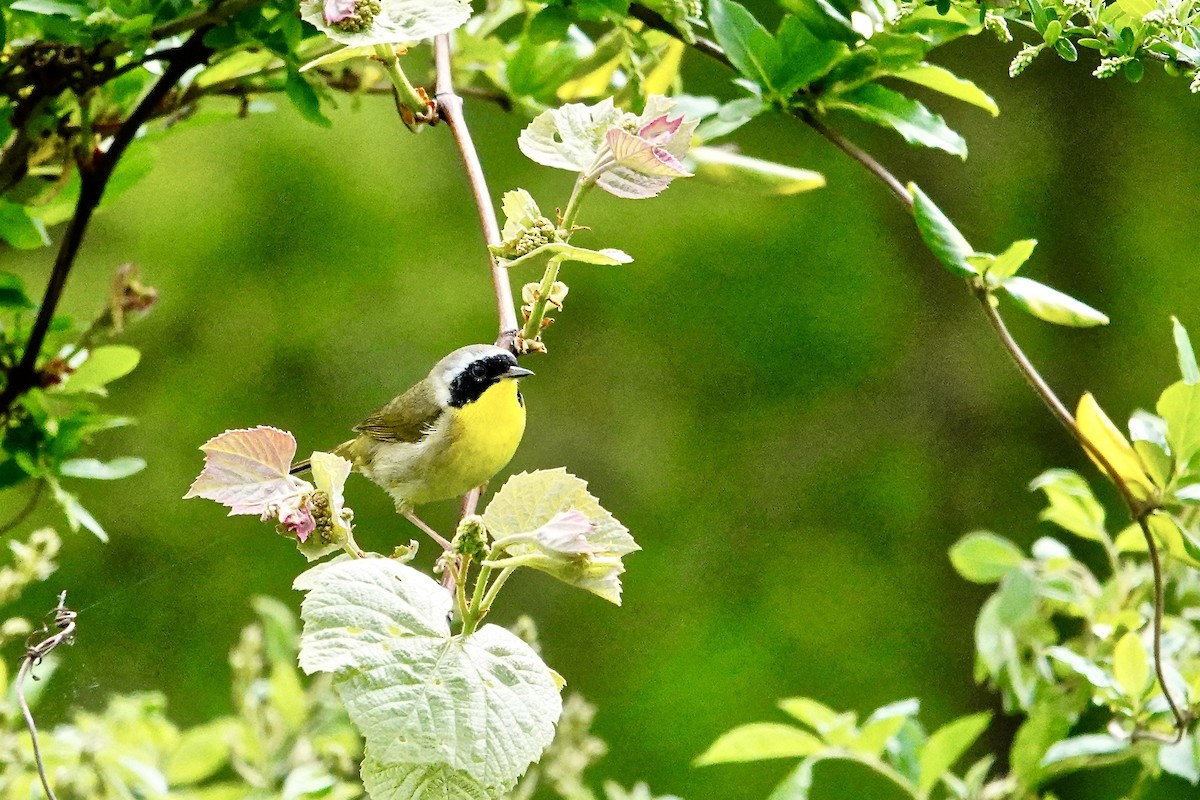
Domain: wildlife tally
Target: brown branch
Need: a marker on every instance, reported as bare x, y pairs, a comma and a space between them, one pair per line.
93, 181
450, 108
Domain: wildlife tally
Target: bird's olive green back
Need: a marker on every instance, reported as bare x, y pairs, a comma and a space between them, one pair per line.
407, 418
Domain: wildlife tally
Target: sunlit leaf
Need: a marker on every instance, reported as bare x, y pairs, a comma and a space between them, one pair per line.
480, 707
760, 741
104, 365
1187, 356
1072, 507
1108, 440
947, 744
729, 168
247, 470
984, 557
1131, 665
1179, 405
909, 118
943, 80
940, 235
1051, 305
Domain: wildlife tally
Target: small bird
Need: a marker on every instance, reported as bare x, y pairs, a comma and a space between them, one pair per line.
449, 433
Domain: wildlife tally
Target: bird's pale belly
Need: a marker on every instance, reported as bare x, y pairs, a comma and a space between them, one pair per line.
466, 449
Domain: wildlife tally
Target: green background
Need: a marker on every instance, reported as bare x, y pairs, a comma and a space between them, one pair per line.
791, 406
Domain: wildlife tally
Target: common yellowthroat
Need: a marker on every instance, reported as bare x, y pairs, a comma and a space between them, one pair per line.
449, 433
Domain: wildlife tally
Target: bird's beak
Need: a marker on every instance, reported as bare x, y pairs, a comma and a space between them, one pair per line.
517, 372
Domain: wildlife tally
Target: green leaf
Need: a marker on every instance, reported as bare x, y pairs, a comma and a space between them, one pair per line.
1131, 665
1072, 507
520, 213
913, 121
104, 365
946, 82
304, 98
946, 745
1148, 434
1051, 305
50, 7
1082, 747
940, 235
1179, 405
824, 20
473, 710
750, 47
797, 784
734, 169
77, 516
812, 713
760, 741
608, 257
529, 501
1187, 357
1182, 759
803, 57
200, 753
19, 229
883, 725
983, 557
1048, 721
12, 292
1007, 263
101, 471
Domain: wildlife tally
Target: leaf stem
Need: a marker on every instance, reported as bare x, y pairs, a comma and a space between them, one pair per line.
472, 616
450, 108
409, 97
533, 325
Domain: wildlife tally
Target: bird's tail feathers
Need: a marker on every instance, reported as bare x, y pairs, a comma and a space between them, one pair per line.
344, 450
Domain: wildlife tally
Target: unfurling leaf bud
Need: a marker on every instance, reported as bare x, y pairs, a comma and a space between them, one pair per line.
405, 553
471, 538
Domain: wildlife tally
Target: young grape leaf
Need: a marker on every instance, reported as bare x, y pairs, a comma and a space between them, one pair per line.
436, 710
248, 470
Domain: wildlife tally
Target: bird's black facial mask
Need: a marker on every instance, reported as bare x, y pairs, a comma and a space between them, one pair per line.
474, 380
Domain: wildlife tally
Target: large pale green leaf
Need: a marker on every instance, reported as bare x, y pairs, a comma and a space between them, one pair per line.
529, 503
943, 80
912, 120
399, 21
941, 237
760, 741
946, 745
1051, 304
750, 47
608, 257
436, 710
1179, 405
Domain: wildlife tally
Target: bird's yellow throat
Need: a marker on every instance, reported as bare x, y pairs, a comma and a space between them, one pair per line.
491, 427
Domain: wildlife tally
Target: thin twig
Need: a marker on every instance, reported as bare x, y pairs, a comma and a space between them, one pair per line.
64, 621
450, 108
93, 181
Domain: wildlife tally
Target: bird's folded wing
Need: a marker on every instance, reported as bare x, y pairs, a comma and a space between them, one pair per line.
408, 418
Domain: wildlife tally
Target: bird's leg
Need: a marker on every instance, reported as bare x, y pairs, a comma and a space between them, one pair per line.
437, 537
470, 500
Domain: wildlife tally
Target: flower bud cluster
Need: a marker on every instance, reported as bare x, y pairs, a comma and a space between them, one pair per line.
360, 18
1023, 59
998, 25
471, 538
1111, 66
541, 232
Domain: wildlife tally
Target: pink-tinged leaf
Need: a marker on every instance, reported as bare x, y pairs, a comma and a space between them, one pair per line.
566, 532
660, 129
247, 470
641, 156
338, 10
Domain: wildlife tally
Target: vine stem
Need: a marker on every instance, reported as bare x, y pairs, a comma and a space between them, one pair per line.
1138, 510
450, 108
94, 179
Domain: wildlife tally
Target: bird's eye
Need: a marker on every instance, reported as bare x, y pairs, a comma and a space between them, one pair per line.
478, 371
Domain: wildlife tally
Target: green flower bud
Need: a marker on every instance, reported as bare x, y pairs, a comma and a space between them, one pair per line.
360, 19
471, 538
1024, 59
1111, 66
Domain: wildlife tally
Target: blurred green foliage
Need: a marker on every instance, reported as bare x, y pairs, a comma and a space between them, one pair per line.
795, 463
